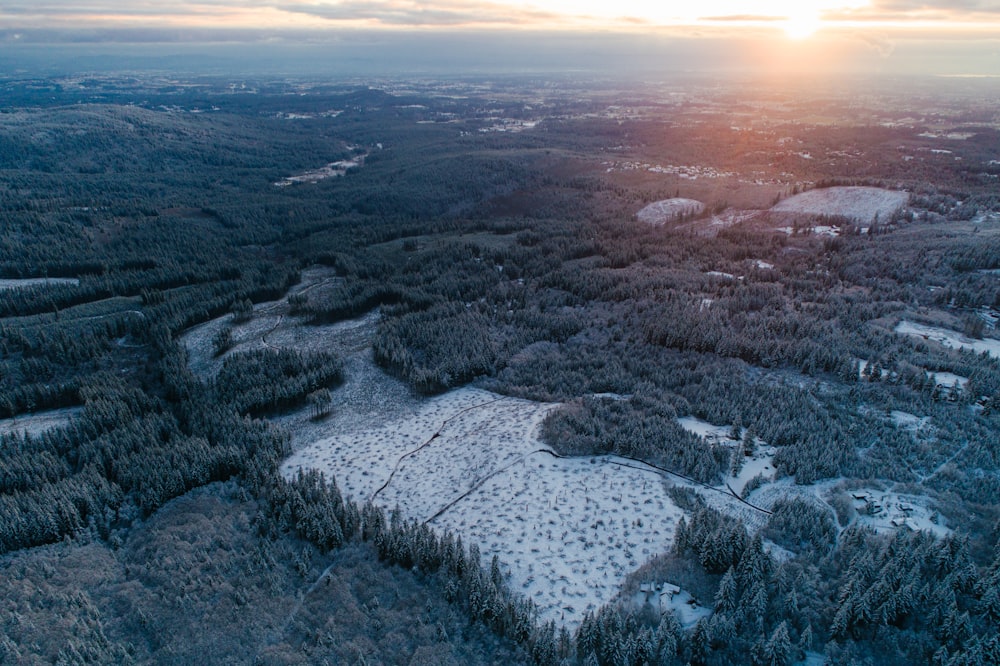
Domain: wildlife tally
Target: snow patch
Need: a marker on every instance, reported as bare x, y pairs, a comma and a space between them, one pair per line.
908, 421
887, 511
24, 283
948, 338
331, 170
714, 434
659, 213
862, 204
665, 597
39, 422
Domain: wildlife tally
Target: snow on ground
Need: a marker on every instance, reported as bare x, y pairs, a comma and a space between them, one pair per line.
271, 326
886, 511
732, 216
728, 276
660, 212
908, 421
950, 339
712, 433
23, 283
859, 203
568, 530
331, 170
37, 423
763, 265
665, 597
819, 230
760, 463
949, 380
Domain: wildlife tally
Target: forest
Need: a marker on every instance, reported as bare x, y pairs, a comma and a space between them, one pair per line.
510, 261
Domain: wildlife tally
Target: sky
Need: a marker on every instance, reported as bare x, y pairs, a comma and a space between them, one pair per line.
958, 37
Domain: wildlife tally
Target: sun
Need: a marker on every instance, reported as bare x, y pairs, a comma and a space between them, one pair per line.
802, 24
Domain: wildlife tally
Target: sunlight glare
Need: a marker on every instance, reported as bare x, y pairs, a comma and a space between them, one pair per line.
802, 24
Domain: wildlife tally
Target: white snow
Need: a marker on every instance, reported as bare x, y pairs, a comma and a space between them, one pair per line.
908, 421
37, 423
568, 530
23, 283
949, 380
948, 338
712, 433
953, 136
660, 212
667, 597
728, 276
331, 170
759, 464
859, 203
819, 230
763, 265
897, 511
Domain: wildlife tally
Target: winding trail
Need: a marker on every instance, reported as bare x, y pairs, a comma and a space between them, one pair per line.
263, 337
437, 433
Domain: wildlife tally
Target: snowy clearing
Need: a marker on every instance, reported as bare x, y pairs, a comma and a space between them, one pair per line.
949, 380
712, 433
759, 463
887, 511
37, 423
23, 283
862, 204
819, 230
665, 597
948, 338
910, 422
732, 216
659, 213
271, 326
568, 530
331, 170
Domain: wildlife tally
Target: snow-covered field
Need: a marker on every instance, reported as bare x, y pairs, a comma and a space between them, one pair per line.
567, 530
859, 203
271, 326
470, 461
35, 282
37, 423
948, 338
949, 380
331, 170
660, 212
819, 230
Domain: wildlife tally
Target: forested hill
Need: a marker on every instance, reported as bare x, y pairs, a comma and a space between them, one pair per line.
493, 227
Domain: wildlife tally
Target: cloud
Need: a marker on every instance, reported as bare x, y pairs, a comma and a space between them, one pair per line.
743, 18
406, 13
879, 43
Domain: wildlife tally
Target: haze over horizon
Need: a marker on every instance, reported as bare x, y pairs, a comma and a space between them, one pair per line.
777, 36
